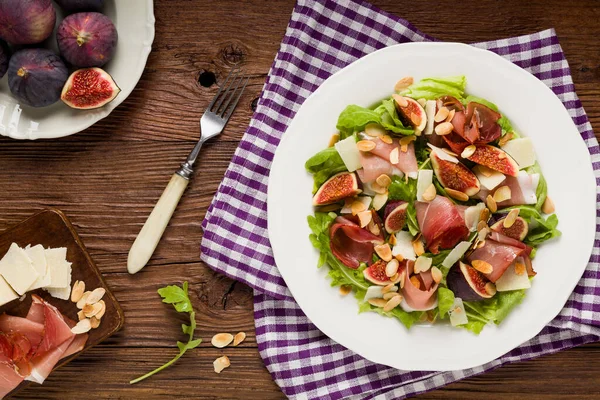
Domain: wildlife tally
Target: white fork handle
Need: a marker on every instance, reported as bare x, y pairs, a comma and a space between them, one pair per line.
155, 226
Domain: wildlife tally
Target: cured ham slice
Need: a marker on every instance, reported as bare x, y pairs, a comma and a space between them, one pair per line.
407, 161
350, 243
499, 255
422, 298
42, 365
373, 167
33, 331
456, 143
500, 238
481, 124
522, 190
76, 345
9, 378
441, 223
56, 330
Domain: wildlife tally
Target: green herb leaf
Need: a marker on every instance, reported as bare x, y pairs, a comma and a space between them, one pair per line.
492, 310
540, 229
445, 301
390, 120
432, 88
324, 165
354, 118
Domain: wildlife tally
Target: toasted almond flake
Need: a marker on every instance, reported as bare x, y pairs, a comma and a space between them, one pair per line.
395, 155
377, 302
392, 267
365, 145
89, 310
389, 295
80, 315
490, 288
402, 278
444, 128
94, 322
422, 102
241, 336
344, 291
436, 274
396, 278
387, 139
429, 193
334, 139
422, 264
379, 200
415, 281
221, 340
102, 309
96, 295
548, 206
482, 266
401, 101
383, 180
78, 290
392, 303
403, 83
441, 115
482, 234
374, 228
221, 363
450, 116
82, 326
407, 139
390, 287
491, 204
384, 251
83, 300
418, 246
501, 194
375, 130
364, 217
449, 152
501, 155
485, 171
481, 225
399, 257
480, 244
511, 218
505, 139
404, 148
484, 215
455, 194
520, 268
357, 207
392, 240
468, 151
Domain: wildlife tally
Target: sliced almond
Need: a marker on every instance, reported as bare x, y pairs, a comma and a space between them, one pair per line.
399, 257
334, 139
379, 200
484, 215
501, 155
90, 310
548, 206
501, 194
239, 338
511, 218
450, 152
221, 363
357, 207
468, 151
401, 101
80, 315
422, 264
384, 251
377, 302
455, 194
392, 240
383, 180
441, 115
96, 295
482, 234
375, 130
392, 267
364, 217
221, 340
480, 244
344, 291
94, 322
490, 288
78, 290
82, 326
505, 139
83, 300
520, 268
415, 281
407, 139
436, 274
403, 83
392, 303
418, 246
365, 145
102, 309
482, 266
387, 139
395, 155
389, 295
429, 193
481, 225
422, 102
389, 288
450, 116
402, 278
374, 228
491, 204
378, 188
444, 128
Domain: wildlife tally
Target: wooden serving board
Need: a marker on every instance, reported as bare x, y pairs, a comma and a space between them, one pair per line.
52, 229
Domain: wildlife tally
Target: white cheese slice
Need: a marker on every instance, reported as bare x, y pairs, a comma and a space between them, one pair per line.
528, 184
16, 267
424, 180
38, 258
58, 267
404, 246
521, 150
63, 293
442, 154
347, 209
472, 215
7, 294
457, 252
349, 153
511, 281
430, 107
458, 316
489, 182
373, 292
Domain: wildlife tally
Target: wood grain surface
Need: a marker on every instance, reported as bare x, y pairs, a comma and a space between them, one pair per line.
108, 178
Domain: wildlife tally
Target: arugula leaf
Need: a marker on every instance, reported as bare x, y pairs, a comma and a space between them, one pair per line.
400, 189
445, 301
437, 259
323, 165
179, 298
411, 220
354, 118
432, 88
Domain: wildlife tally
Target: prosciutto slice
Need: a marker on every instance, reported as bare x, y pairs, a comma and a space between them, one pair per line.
422, 298
500, 238
373, 167
41, 366
499, 255
407, 161
350, 243
481, 124
9, 377
56, 330
441, 223
33, 331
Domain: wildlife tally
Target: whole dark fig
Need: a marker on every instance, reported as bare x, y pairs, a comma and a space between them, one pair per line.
26, 21
36, 77
4, 56
71, 6
87, 39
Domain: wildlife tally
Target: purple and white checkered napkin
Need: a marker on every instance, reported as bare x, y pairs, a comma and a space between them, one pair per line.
322, 37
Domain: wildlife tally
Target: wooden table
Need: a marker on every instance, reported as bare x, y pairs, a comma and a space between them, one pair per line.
108, 178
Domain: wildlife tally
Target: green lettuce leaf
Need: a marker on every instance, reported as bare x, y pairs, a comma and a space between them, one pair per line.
390, 120
540, 229
408, 319
480, 100
399, 189
323, 165
542, 189
432, 88
354, 118
492, 310
445, 301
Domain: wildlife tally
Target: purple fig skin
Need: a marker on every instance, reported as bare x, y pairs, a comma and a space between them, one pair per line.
87, 39
72, 6
4, 56
36, 77
457, 282
26, 21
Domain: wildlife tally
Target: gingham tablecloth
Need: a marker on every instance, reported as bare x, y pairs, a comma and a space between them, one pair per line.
322, 37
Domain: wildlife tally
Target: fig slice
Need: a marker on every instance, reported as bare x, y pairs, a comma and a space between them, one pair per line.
376, 273
496, 159
468, 283
89, 88
336, 188
455, 175
518, 229
412, 114
395, 216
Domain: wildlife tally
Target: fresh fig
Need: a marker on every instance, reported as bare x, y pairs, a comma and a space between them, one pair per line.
455, 175
517, 231
4, 56
376, 273
87, 39
71, 6
395, 216
336, 188
36, 77
412, 114
496, 159
468, 283
26, 21
89, 88
481, 124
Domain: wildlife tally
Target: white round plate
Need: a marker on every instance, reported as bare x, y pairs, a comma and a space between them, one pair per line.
535, 112
134, 20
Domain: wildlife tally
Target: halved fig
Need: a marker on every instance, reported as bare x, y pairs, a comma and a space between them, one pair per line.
336, 188
89, 88
376, 273
395, 216
468, 283
481, 124
412, 114
455, 175
517, 231
496, 159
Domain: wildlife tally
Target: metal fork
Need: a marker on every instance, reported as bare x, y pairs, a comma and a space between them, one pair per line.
212, 123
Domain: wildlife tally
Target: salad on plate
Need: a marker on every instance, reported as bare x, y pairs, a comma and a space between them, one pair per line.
430, 207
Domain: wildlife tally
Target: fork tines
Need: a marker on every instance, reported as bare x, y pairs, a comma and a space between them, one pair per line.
231, 89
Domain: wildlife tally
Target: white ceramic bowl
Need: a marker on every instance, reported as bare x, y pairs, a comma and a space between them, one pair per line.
134, 20
535, 112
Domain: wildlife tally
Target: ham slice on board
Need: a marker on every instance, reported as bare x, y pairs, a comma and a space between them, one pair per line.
350, 243
441, 223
